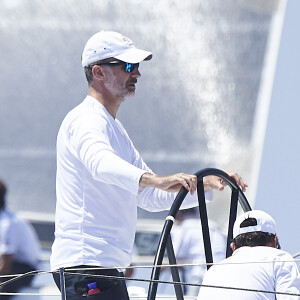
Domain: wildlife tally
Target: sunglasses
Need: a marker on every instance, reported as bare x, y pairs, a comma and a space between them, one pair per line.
128, 67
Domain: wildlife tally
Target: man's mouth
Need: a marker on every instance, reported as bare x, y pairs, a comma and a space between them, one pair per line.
132, 83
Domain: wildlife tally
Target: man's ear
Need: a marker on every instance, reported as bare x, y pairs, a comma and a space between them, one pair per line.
276, 241
232, 246
97, 72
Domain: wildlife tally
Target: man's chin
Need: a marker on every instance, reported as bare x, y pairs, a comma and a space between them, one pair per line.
128, 94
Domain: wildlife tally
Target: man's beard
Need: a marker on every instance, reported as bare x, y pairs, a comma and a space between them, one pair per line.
121, 91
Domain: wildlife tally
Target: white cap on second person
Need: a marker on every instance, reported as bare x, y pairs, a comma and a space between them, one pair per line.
265, 223
111, 44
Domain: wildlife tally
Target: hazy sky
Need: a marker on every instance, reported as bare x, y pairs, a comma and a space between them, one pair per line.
279, 179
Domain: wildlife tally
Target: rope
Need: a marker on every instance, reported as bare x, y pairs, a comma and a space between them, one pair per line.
68, 271
17, 276
184, 283
57, 295
26, 294
184, 265
40, 272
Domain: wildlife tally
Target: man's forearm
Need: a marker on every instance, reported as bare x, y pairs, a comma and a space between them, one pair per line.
171, 183
148, 179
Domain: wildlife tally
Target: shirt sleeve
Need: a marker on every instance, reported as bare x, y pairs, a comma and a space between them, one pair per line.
287, 277
91, 141
90, 137
153, 199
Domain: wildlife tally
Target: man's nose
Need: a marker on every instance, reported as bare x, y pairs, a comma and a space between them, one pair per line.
136, 73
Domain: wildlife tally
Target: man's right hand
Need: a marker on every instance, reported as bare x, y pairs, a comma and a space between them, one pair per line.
171, 183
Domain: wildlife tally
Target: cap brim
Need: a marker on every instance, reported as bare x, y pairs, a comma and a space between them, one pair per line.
134, 56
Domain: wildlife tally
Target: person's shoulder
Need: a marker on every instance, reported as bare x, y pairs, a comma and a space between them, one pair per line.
88, 113
10, 220
7, 215
267, 249
5, 220
83, 109
265, 252
282, 254
16, 219
218, 268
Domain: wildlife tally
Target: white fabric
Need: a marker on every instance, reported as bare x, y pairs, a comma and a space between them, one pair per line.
98, 173
274, 270
189, 249
18, 238
265, 223
110, 44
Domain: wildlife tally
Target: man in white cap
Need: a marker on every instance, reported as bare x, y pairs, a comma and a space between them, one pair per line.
258, 269
101, 178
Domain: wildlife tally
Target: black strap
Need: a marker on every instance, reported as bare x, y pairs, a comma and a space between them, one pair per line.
174, 270
232, 217
204, 223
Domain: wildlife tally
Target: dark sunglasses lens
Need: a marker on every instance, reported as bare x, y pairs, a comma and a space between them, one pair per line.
130, 67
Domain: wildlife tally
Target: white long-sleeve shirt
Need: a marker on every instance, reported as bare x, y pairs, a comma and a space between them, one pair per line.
18, 238
258, 268
97, 186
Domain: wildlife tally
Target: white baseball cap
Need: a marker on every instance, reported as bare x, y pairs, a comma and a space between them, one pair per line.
265, 223
111, 44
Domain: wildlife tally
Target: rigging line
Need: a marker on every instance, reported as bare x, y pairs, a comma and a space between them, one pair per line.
185, 283
149, 280
296, 254
184, 265
26, 294
40, 272
19, 276
58, 294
